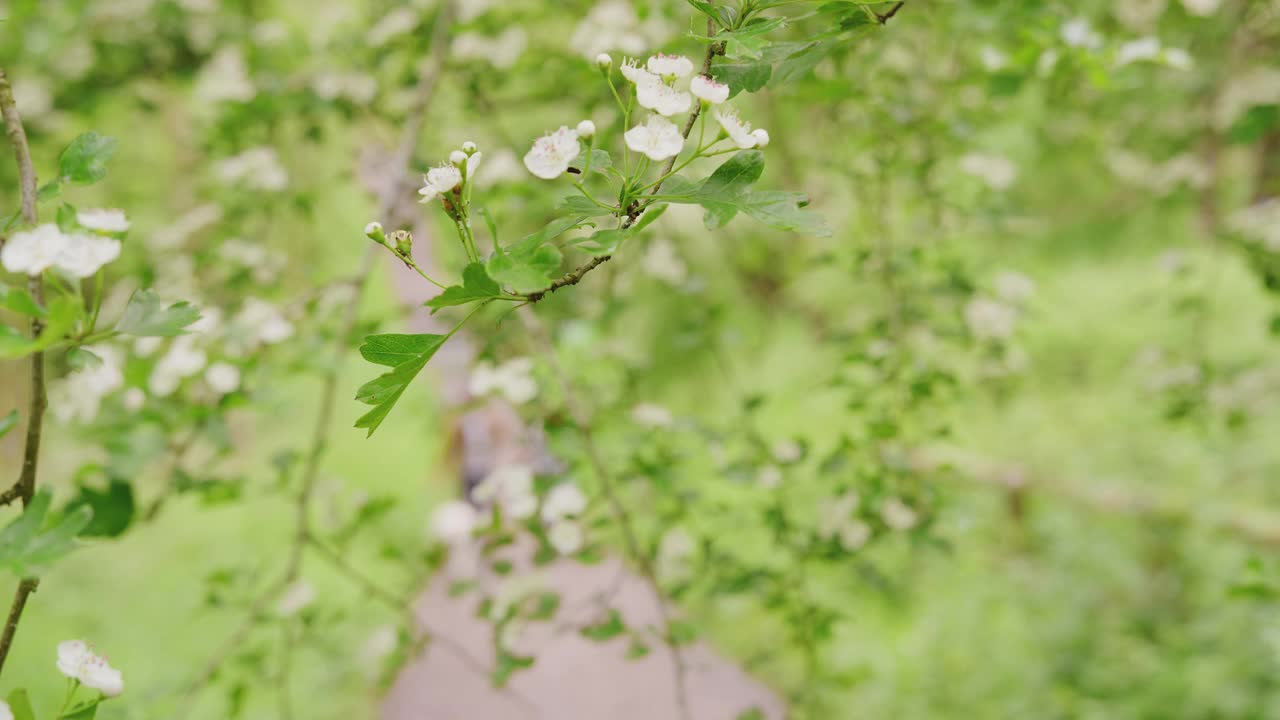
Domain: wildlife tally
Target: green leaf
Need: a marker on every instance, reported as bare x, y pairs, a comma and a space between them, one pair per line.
81, 711
751, 714
20, 705
27, 550
681, 632
733, 177
784, 211
67, 218
602, 242
728, 191
8, 422
744, 77
529, 272
79, 358
144, 316
113, 508
507, 665
607, 629
649, 216
601, 161
406, 355
547, 605
476, 285
61, 318
581, 206
84, 161
19, 301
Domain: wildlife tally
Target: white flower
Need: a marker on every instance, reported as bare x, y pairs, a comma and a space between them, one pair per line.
82, 256
551, 154
898, 515
453, 521
787, 451
225, 78
440, 180
989, 319
738, 130
992, 58
223, 378
651, 415
80, 395
762, 137
399, 21
469, 147
380, 643
835, 514
1202, 8
1177, 58
707, 89
632, 71
663, 262
77, 661
108, 221
586, 129
296, 598
473, 164
564, 500
457, 158
614, 25
673, 554
134, 399
513, 379
769, 477
603, 61
501, 51
511, 486
147, 346
264, 322
1014, 287
658, 138
1147, 48
256, 169
655, 95
5, 712
670, 65
997, 171
1079, 33
182, 361
32, 251
566, 537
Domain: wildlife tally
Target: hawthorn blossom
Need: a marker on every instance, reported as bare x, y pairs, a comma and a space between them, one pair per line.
586, 129
992, 59
651, 415
1202, 8
80, 395
222, 378
1014, 287
633, 71
706, 88
501, 51
836, 521
674, 550
787, 451
762, 137
77, 661
296, 598
440, 180
400, 21
739, 130
5, 712
256, 169
997, 171
511, 487
564, 500
614, 25
264, 322
182, 361
453, 521
658, 138
512, 379
551, 154
133, 399
898, 515
769, 477
604, 61
32, 251
670, 65
82, 256
225, 78
1146, 48
107, 221
566, 537
989, 319
653, 94
1079, 33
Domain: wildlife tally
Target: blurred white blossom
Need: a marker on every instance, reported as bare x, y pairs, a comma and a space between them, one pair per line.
613, 25
511, 488
222, 378
651, 415
566, 537
1079, 33
501, 50
663, 262
400, 21
225, 78
77, 255
453, 521
299, 596
512, 379
1014, 287
997, 171
898, 515
564, 500
183, 360
990, 319
103, 220
80, 394
256, 169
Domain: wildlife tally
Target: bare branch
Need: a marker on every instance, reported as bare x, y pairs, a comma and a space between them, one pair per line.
25, 487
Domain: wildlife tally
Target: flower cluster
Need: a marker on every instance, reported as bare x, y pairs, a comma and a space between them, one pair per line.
77, 661
76, 255
512, 379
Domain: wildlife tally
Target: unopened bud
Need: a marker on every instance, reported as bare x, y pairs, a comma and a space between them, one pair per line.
603, 61
469, 147
374, 232
458, 158
402, 242
762, 137
586, 129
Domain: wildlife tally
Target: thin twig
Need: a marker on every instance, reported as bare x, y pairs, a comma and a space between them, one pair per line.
633, 213
25, 487
630, 538
886, 16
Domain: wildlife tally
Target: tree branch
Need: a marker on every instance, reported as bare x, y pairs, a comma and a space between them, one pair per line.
574, 277
886, 16
25, 487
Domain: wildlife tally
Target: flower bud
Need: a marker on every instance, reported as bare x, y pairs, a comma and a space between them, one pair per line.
762, 137
402, 242
469, 147
603, 61
586, 129
374, 232
458, 158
